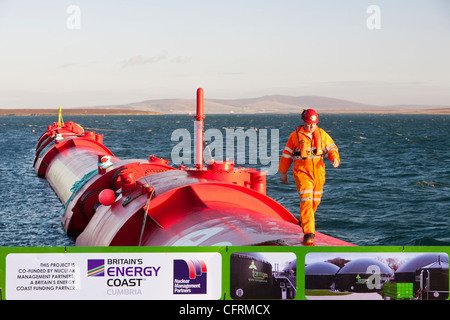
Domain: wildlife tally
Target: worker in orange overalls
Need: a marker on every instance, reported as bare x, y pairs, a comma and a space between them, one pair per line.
306, 147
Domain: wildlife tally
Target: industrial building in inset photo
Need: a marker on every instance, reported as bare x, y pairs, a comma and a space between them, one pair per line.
376, 276
268, 275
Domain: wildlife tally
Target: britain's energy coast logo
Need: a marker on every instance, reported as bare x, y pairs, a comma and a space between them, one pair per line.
96, 268
122, 276
189, 277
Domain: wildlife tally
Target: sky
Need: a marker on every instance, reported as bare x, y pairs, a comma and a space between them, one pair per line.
81, 53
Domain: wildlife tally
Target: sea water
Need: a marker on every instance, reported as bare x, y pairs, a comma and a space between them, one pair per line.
392, 188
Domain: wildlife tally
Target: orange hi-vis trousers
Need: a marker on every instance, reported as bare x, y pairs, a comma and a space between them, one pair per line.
308, 171
310, 191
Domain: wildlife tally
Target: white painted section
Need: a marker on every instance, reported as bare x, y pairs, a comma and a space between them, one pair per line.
62, 179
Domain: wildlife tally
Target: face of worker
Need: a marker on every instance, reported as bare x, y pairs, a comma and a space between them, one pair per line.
309, 127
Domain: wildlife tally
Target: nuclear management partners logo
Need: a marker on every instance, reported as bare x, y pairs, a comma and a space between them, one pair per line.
189, 277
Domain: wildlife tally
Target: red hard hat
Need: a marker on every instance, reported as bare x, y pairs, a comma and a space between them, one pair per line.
310, 116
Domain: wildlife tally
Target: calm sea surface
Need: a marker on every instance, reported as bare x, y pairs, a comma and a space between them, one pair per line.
392, 188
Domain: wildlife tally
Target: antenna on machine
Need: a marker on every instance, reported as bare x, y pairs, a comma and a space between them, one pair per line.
199, 129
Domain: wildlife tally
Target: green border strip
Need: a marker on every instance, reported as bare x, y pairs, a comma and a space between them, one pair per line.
225, 251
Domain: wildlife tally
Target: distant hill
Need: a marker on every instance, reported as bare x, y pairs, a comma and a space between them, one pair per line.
266, 104
274, 104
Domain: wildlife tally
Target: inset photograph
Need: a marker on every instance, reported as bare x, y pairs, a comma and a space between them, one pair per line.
268, 275
376, 276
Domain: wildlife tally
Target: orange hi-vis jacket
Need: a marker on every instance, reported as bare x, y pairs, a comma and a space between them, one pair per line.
306, 151
301, 148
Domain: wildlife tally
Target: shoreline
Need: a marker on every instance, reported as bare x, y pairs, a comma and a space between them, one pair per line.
437, 111
99, 111
74, 112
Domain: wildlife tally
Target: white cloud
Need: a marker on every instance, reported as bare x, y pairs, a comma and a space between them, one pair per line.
140, 60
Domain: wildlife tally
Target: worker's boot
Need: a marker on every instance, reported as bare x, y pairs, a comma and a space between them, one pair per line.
308, 239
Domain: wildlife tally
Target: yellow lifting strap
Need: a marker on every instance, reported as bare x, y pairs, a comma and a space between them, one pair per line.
60, 118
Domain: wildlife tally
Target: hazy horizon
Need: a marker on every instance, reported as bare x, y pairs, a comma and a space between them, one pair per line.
85, 54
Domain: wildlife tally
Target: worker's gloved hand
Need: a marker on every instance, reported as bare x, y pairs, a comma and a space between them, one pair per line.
283, 177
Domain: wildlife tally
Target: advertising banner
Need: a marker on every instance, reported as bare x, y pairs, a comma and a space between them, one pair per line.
156, 276
240, 273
